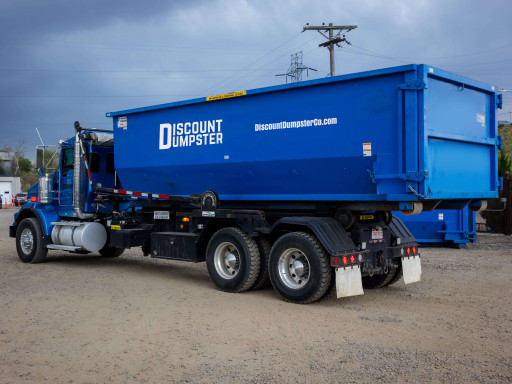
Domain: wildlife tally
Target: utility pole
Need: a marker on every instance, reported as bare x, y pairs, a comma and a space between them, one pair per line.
332, 39
296, 68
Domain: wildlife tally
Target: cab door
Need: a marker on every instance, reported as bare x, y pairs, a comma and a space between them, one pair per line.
67, 161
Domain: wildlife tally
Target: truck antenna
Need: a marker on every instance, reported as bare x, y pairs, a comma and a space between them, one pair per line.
38, 134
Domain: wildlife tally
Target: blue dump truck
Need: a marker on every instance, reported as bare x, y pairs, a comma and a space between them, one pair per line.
293, 184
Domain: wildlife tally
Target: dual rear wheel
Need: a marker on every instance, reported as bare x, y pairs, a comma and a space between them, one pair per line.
297, 264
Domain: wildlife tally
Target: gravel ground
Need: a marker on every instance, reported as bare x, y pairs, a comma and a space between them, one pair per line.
133, 319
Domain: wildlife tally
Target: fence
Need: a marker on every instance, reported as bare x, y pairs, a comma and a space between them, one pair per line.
507, 214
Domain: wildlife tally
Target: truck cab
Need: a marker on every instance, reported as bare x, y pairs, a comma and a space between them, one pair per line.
63, 211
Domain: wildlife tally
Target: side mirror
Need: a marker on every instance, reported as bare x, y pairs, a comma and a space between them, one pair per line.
41, 172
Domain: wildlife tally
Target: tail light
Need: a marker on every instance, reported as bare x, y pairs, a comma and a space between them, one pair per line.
409, 251
33, 199
346, 260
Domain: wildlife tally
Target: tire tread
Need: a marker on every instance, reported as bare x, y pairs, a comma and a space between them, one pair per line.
325, 270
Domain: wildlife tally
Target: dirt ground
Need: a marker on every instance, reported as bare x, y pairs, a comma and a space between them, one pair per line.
84, 319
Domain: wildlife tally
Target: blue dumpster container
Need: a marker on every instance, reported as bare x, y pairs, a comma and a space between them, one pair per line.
442, 227
403, 134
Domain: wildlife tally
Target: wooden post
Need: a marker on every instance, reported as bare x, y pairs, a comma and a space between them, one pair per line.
507, 214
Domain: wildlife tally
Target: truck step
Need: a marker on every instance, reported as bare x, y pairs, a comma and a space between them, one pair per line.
71, 248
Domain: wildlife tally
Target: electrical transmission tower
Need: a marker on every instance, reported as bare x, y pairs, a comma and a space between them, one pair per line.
332, 39
296, 68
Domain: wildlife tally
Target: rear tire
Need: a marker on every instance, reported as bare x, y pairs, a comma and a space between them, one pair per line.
398, 274
264, 246
299, 268
232, 260
29, 242
381, 281
108, 251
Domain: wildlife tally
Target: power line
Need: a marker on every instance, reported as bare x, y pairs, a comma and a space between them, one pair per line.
132, 71
216, 85
132, 48
372, 53
98, 96
449, 57
279, 57
127, 78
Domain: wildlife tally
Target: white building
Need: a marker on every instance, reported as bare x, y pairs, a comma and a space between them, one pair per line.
9, 187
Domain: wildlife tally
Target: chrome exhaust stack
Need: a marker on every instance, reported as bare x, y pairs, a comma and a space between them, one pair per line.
76, 178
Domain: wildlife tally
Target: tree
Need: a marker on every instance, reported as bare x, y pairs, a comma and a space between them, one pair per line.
24, 165
20, 165
504, 163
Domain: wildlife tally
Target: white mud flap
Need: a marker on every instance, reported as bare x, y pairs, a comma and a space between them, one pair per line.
349, 282
411, 266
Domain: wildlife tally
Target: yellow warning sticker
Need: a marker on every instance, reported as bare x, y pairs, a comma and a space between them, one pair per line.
367, 149
115, 227
226, 96
366, 217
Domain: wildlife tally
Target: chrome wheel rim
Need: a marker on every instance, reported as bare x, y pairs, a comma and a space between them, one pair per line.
227, 260
293, 268
27, 241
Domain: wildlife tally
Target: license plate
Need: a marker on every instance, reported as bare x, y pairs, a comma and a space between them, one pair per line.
161, 215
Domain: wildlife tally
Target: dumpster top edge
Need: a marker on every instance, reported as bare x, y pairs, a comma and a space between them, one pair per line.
351, 76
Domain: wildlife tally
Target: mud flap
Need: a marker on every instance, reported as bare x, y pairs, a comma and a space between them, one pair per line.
411, 267
349, 282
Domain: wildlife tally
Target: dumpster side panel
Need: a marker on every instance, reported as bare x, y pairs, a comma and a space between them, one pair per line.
248, 156
399, 134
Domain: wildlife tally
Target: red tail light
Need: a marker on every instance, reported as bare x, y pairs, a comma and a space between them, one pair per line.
352, 259
414, 250
345, 259
33, 199
408, 250
336, 260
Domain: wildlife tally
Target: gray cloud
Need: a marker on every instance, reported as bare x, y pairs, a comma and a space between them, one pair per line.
72, 60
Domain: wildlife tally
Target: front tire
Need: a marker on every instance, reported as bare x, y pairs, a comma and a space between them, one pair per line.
29, 242
299, 268
232, 260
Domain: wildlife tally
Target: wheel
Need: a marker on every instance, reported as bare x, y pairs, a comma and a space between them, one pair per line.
398, 274
299, 268
232, 260
108, 251
29, 242
380, 281
264, 247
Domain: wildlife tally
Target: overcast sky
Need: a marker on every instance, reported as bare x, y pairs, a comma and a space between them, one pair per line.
67, 60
